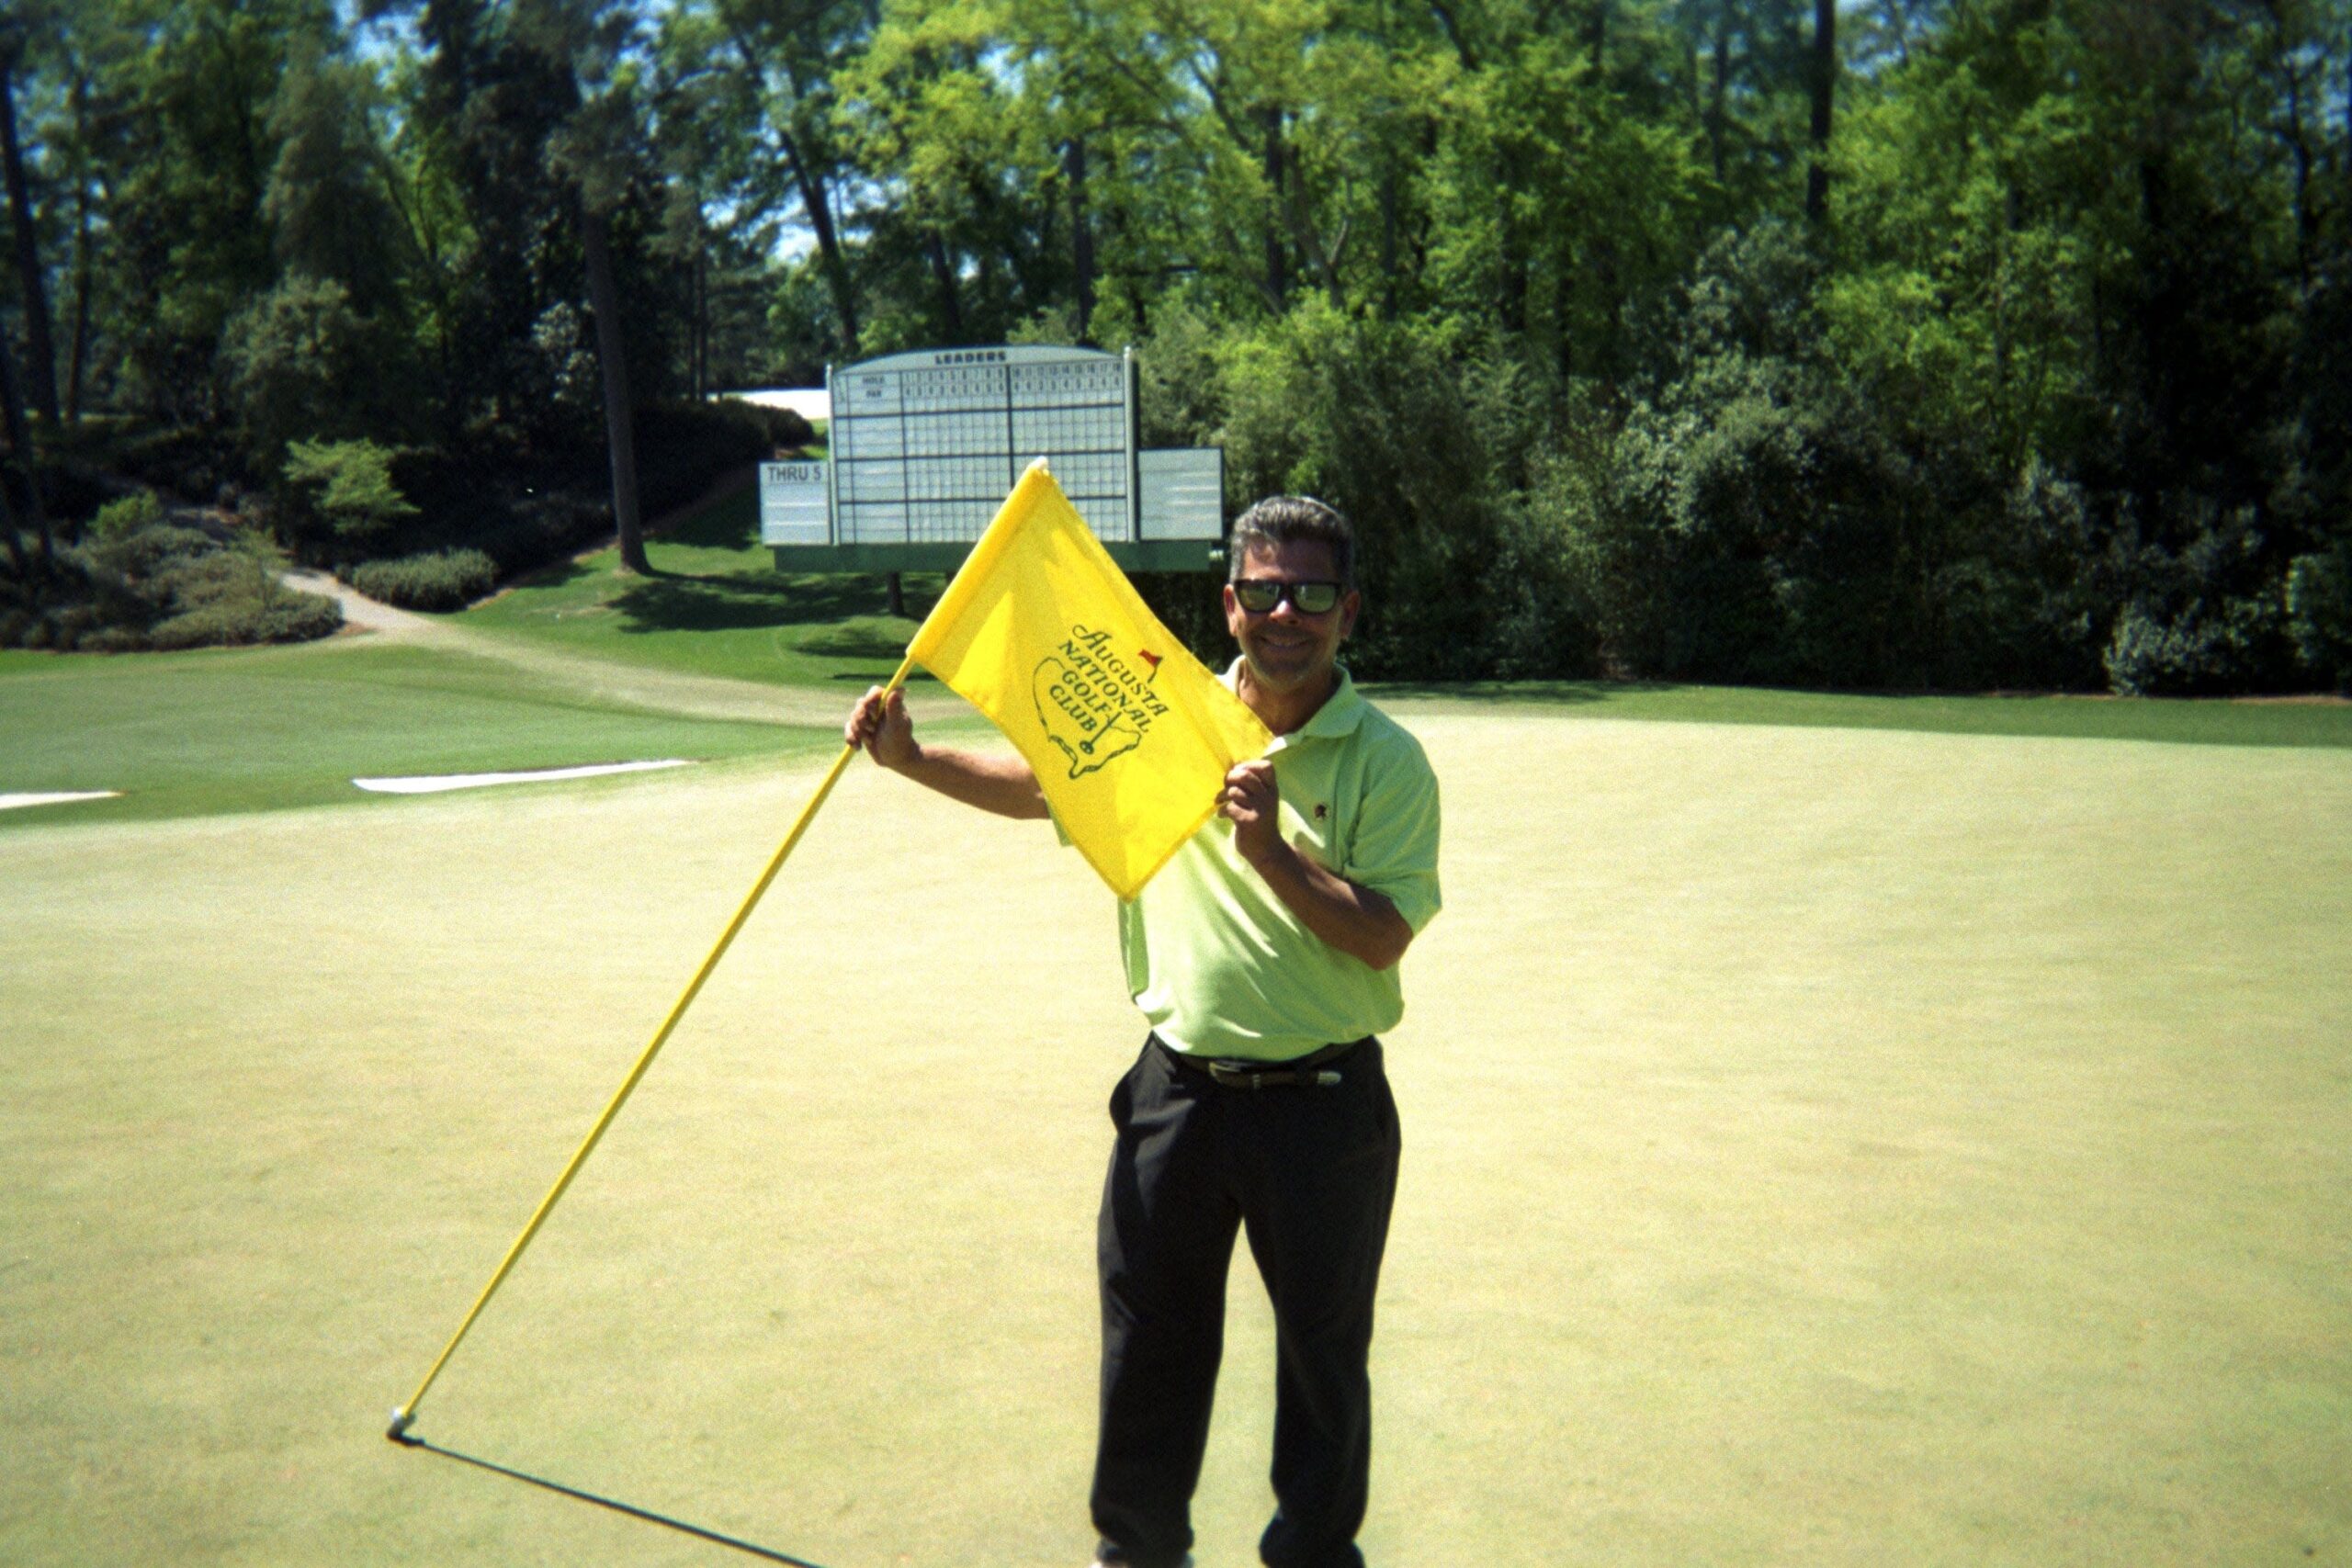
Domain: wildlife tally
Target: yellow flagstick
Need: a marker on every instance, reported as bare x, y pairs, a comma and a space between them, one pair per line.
406, 1415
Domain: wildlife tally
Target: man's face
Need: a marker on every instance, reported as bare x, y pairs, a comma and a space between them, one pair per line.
1286, 648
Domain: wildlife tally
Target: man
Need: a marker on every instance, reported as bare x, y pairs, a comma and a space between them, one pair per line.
1264, 955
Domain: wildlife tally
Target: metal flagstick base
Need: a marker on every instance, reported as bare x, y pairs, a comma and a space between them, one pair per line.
404, 1417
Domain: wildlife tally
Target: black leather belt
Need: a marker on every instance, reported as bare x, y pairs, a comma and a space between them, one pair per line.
1316, 1069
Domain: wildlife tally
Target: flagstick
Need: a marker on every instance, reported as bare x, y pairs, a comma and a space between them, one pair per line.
406, 1415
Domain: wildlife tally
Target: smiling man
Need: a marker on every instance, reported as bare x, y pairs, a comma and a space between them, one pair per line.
1264, 956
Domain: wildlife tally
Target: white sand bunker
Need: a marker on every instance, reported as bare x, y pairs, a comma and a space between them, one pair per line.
55, 797
434, 783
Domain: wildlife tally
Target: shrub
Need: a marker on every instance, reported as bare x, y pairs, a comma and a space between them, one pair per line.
117, 519
112, 640
235, 595
145, 551
442, 580
2319, 612
288, 615
2199, 651
161, 586
340, 491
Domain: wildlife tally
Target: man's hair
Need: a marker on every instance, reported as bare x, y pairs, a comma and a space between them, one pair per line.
1291, 519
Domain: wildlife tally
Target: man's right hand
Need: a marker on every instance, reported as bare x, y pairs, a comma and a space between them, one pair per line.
880, 725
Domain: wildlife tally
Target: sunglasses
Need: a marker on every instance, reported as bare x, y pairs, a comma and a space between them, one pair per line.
1259, 595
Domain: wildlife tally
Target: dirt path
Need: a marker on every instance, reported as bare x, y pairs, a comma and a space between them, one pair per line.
359, 612
605, 679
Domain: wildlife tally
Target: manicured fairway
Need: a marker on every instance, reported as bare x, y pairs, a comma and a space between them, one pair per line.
248, 729
1823, 1146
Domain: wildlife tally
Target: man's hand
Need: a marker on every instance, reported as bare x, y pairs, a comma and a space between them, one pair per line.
1253, 804
880, 725
1350, 916
1002, 784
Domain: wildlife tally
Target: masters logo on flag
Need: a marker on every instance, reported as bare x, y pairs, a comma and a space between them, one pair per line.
1129, 735
1092, 704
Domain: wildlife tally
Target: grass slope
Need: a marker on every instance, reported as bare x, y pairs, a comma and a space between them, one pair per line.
1822, 1147
267, 728
716, 605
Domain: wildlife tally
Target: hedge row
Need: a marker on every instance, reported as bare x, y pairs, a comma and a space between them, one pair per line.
437, 580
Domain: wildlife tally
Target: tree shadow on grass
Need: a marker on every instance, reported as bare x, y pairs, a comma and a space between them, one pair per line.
410, 1440
674, 602
730, 521
1498, 694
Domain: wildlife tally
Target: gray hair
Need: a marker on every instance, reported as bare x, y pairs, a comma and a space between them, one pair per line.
1293, 519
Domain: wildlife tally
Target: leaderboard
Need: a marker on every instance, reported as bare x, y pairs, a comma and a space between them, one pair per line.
925, 446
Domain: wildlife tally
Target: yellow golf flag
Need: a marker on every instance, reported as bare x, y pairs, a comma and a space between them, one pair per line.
1129, 735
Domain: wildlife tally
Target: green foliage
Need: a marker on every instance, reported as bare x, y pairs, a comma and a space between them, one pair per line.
223, 599
142, 581
684, 448
1420, 436
340, 495
2319, 612
444, 580
2053, 393
300, 359
116, 520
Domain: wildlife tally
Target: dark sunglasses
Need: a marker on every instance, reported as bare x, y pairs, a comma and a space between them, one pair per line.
1259, 595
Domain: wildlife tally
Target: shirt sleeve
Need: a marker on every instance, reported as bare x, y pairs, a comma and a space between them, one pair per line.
1393, 852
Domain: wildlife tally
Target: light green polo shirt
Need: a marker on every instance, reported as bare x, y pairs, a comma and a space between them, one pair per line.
1220, 965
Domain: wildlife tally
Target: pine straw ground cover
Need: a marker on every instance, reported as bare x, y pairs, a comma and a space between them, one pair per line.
1822, 1146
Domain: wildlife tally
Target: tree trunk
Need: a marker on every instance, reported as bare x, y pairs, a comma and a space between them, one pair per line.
817, 203
1081, 235
15, 417
1825, 90
896, 589
951, 305
77, 355
1277, 172
1716, 106
20, 451
39, 350
1511, 260
17, 557
612, 361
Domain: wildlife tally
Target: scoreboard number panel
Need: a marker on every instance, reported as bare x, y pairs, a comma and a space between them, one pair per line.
925, 446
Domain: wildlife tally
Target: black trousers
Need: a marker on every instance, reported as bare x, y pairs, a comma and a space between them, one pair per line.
1310, 1173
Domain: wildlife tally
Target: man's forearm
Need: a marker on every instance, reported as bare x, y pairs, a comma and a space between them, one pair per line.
1004, 785
1352, 918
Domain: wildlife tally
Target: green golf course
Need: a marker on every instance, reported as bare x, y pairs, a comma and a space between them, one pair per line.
1838, 1130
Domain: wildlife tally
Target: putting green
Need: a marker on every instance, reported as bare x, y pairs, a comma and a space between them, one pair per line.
1822, 1146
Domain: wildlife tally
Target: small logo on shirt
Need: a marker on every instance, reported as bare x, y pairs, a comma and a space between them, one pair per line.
1322, 810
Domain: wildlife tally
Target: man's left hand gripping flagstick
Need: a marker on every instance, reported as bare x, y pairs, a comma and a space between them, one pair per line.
405, 1416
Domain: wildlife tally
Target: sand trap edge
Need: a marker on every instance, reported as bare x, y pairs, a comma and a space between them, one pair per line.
435, 783
56, 797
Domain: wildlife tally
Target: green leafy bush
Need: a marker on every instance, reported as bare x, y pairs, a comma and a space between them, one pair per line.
1423, 436
340, 494
140, 584
117, 519
2319, 612
440, 580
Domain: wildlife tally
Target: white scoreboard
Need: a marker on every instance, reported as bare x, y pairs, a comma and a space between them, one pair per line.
923, 447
